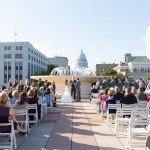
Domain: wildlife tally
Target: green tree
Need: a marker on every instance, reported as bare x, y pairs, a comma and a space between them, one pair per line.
112, 72
50, 67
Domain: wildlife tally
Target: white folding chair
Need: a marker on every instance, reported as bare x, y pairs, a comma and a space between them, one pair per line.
43, 107
142, 103
122, 116
111, 106
35, 115
94, 98
23, 112
9, 145
138, 126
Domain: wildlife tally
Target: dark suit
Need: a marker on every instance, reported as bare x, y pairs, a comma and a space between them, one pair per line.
78, 90
73, 88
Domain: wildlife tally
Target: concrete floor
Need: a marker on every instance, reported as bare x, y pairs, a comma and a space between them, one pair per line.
75, 126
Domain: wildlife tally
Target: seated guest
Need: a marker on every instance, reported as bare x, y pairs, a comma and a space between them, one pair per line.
134, 90
47, 96
39, 102
118, 95
6, 114
128, 98
31, 99
140, 94
110, 100
21, 103
15, 96
102, 98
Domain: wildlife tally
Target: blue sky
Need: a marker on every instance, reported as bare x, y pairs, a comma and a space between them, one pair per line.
104, 29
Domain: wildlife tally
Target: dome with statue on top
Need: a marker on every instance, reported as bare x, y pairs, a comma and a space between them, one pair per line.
81, 61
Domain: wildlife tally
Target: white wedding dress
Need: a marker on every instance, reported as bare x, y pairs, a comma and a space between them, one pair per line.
66, 98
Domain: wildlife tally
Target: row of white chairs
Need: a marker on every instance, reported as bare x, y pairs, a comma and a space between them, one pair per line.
22, 112
136, 117
25, 121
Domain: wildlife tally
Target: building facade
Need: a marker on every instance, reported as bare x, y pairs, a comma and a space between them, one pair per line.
19, 61
58, 61
135, 67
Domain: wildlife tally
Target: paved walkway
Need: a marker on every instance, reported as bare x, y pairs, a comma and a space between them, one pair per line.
75, 126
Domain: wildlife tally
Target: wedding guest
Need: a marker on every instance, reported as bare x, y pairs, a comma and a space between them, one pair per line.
127, 82
6, 114
140, 94
112, 82
120, 85
105, 83
15, 96
118, 95
128, 98
134, 90
21, 103
110, 100
97, 86
31, 99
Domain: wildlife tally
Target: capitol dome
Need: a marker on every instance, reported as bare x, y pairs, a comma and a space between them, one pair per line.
81, 61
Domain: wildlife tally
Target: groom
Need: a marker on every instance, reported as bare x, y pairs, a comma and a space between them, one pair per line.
78, 89
73, 88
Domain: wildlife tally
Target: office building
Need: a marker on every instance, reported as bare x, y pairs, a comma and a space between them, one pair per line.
20, 60
58, 61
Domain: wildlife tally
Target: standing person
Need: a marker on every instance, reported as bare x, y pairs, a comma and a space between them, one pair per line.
78, 89
105, 83
73, 89
120, 85
112, 82
141, 83
54, 86
98, 83
127, 82
40, 82
66, 98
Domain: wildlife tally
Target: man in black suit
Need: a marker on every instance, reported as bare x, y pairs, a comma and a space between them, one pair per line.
73, 88
78, 89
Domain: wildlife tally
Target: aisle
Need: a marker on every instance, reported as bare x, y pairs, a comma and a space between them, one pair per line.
75, 126
73, 130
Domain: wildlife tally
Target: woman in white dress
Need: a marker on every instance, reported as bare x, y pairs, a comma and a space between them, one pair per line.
66, 98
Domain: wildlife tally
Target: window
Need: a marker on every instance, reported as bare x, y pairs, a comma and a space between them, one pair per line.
18, 56
20, 47
5, 48
28, 57
7, 56
9, 47
16, 47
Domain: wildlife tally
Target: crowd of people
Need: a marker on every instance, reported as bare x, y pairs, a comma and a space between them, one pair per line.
124, 92
20, 96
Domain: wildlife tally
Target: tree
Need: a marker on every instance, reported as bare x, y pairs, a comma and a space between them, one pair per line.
50, 67
112, 72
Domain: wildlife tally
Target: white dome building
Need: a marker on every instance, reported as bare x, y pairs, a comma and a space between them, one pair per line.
81, 61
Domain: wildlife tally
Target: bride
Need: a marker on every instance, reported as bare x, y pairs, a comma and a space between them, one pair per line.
66, 98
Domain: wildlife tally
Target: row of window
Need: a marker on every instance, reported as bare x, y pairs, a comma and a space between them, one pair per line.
35, 60
8, 69
9, 48
9, 56
36, 53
